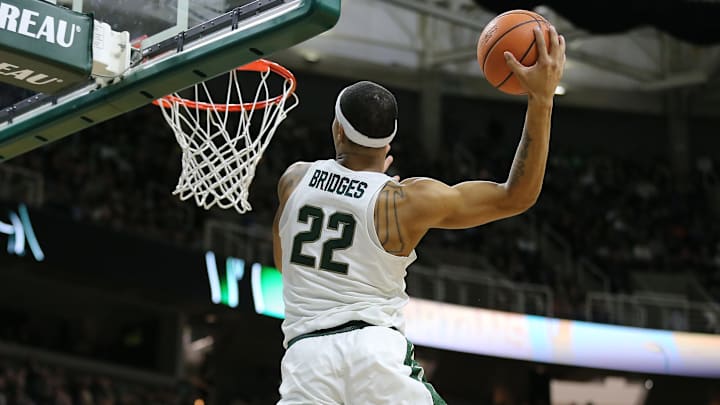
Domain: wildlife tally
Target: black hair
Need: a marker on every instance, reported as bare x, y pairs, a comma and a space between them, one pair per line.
370, 108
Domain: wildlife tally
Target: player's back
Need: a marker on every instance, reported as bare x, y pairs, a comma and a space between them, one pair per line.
335, 269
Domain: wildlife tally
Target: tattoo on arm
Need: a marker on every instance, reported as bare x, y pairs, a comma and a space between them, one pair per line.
519, 164
387, 220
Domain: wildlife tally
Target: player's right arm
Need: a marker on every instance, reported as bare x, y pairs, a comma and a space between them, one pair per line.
474, 203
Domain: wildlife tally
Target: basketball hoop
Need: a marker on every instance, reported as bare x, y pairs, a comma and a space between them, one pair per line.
218, 162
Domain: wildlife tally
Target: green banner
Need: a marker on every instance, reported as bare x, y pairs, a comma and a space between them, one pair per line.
44, 47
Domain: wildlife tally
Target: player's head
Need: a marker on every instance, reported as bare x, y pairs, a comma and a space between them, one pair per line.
365, 117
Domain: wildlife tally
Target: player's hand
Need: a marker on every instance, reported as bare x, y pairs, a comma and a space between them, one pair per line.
541, 79
388, 162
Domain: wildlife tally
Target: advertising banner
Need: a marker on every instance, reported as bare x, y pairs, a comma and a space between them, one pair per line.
43, 47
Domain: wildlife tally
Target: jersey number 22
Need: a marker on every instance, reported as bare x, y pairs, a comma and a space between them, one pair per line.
316, 218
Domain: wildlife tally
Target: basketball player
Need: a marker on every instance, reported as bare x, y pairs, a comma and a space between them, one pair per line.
345, 233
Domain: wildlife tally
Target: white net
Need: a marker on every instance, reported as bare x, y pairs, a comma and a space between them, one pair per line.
222, 144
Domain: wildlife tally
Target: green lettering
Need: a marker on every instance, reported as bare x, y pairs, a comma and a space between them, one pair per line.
314, 179
321, 182
353, 184
361, 189
333, 182
342, 188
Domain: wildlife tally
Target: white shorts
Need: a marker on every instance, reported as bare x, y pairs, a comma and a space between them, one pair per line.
368, 366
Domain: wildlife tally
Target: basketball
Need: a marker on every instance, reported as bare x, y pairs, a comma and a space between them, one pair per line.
511, 31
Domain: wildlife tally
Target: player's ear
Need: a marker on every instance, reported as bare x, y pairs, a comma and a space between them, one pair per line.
338, 133
387, 149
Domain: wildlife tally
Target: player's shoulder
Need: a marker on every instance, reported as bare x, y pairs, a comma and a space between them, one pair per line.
418, 192
424, 187
292, 176
419, 200
426, 196
297, 169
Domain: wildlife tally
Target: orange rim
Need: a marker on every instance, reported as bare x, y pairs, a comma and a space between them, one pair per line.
260, 65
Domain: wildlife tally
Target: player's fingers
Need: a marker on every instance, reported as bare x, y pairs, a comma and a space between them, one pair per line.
540, 43
396, 178
558, 54
555, 50
554, 38
513, 63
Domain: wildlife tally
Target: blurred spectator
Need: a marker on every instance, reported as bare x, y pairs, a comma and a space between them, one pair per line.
36, 384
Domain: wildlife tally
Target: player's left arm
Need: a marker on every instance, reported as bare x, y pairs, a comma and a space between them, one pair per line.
286, 185
433, 204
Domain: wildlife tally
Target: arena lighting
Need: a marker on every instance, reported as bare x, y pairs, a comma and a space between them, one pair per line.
266, 285
213, 278
202, 343
560, 341
527, 337
560, 90
20, 234
16, 241
224, 291
310, 56
235, 269
267, 291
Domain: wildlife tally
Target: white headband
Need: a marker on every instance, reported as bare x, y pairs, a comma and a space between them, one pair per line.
355, 135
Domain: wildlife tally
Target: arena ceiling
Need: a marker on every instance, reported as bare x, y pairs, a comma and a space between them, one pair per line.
621, 55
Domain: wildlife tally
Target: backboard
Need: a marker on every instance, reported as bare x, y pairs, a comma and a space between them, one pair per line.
152, 21
177, 43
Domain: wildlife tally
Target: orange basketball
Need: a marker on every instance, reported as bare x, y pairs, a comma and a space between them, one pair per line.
510, 31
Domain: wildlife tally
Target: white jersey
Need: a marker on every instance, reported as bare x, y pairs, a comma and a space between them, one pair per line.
335, 269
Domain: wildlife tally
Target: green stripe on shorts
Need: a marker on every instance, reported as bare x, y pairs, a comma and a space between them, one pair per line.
418, 374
